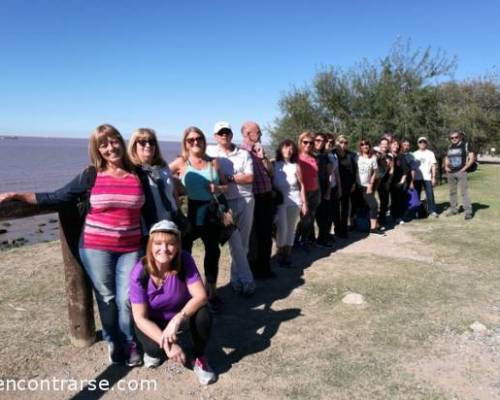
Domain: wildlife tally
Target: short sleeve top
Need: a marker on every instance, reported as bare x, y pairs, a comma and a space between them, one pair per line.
167, 300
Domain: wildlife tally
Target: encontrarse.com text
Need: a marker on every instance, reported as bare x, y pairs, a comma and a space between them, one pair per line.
75, 385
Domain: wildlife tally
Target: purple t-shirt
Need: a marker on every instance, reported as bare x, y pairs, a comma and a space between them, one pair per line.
168, 299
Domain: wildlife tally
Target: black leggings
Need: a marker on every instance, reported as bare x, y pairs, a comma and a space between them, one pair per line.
209, 235
371, 201
200, 326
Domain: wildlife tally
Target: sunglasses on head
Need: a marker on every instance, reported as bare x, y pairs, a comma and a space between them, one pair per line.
306, 142
193, 140
144, 142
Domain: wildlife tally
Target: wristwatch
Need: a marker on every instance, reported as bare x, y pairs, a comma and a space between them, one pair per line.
230, 178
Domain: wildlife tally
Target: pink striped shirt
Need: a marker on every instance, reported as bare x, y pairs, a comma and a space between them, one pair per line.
114, 220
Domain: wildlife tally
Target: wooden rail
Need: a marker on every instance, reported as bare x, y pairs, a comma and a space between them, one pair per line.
78, 289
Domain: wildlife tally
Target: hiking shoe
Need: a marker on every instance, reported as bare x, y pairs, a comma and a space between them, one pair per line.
468, 216
451, 212
215, 305
150, 361
115, 354
377, 232
203, 371
133, 356
434, 214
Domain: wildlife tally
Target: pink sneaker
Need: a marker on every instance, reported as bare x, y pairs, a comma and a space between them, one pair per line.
203, 371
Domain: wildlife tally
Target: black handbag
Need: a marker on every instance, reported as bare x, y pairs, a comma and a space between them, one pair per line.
219, 214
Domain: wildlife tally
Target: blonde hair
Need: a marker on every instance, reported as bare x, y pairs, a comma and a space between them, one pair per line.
342, 137
101, 134
148, 260
302, 136
187, 131
132, 147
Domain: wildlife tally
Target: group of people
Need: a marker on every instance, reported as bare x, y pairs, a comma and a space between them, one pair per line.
136, 240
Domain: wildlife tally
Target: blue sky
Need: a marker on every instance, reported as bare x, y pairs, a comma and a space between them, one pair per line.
69, 65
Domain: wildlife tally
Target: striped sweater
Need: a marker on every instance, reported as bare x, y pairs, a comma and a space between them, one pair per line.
114, 220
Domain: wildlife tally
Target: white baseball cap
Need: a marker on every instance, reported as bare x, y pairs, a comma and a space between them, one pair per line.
165, 226
422, 139
222, 125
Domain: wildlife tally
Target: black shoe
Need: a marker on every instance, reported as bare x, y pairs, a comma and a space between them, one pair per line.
324, 243
265, 275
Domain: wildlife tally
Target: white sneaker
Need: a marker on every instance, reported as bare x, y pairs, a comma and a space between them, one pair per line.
203, 371
151, 362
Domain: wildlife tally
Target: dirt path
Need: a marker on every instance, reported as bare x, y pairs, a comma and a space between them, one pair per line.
270, 346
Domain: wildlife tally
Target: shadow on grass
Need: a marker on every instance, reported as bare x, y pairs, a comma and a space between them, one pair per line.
248, 325
475, 207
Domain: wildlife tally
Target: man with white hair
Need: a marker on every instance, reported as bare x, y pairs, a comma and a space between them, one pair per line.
237, 166
261, 240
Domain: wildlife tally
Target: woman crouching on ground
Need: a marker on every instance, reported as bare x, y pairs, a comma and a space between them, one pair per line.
166, 293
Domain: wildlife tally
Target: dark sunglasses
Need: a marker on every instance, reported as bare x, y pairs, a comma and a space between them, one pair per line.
144, 142
193, 140
454, 137
224, 132
306, 142
365, 144
342, 142
319, 140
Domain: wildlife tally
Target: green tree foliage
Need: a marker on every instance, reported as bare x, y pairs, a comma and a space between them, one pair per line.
406, 93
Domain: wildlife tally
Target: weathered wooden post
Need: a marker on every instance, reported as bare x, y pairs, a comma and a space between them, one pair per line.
78, 290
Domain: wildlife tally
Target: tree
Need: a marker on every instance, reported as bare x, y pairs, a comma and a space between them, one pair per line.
405, 92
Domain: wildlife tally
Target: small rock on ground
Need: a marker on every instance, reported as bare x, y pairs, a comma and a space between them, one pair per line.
478, 327
353, 298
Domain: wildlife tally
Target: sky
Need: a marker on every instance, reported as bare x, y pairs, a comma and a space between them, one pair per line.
69, 65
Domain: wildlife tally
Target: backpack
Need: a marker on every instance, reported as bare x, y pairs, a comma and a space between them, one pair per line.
474, 165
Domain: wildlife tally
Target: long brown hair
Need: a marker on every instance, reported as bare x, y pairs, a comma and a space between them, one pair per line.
148, 260
362, 142
99, 135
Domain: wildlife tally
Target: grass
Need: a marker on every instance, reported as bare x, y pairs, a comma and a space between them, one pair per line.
296, 339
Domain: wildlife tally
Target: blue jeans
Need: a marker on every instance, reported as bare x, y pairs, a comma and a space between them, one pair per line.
429, 194
109, 272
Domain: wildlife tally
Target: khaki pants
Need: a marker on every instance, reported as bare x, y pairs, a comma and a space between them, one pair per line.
459, 180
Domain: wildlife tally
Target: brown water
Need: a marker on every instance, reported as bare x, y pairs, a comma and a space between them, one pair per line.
29, 164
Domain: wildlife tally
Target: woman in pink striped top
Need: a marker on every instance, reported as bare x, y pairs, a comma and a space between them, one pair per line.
110, 245
111, 242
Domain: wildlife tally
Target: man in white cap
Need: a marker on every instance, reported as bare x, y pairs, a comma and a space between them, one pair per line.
237, 166
425, 173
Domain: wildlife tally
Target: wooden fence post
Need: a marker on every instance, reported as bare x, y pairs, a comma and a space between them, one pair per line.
78, 290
